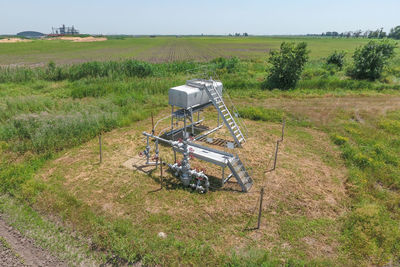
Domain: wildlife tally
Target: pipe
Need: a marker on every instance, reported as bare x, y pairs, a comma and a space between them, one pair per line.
208, 132
199, 176
180, 129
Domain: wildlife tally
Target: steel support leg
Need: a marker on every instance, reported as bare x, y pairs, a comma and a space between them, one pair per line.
172, 121
223, 176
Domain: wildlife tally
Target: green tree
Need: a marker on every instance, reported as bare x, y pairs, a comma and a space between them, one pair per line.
370, 59
395, 33
286, 65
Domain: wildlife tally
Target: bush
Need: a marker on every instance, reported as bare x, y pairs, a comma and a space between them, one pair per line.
286, 65
336, 58
54, 73
133, 68
370, 59
229, 64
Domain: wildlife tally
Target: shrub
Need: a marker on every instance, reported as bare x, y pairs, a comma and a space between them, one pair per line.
370, 59
133, 68
54, 73
286, 65
229, 64
336, 58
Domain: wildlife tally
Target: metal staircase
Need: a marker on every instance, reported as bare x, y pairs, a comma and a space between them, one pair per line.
223, 111
239, 171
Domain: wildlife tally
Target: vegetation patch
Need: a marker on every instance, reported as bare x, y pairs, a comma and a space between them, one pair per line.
333, 199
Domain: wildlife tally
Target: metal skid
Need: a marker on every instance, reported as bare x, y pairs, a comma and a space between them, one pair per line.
200, 95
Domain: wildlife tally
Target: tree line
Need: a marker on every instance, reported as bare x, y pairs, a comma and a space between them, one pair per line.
377, 34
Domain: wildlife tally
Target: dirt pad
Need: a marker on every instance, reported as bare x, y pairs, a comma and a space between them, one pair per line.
17, 250
83, 39
14, 40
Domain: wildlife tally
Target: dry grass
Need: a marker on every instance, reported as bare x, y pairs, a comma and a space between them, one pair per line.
323, 110
305, 184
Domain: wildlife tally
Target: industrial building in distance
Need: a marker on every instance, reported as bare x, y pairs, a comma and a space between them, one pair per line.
61, 31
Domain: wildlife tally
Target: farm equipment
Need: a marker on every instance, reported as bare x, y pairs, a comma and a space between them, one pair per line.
192, 98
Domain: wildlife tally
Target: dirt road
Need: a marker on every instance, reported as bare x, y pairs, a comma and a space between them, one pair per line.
17, 250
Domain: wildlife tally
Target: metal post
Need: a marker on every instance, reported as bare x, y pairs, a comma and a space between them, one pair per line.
157, 152
161, 170
283, 128
260, 210
152, 123
148, 151
185, 178
184, 124
174, 156
191, 116
172, 119
100, 150
223, 176
276, 154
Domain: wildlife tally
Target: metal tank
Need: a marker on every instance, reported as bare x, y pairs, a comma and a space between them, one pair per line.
192, 94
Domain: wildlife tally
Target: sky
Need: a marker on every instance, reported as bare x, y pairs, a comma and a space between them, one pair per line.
269, 17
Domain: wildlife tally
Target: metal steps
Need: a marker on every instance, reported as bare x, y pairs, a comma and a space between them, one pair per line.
223, 111
240, 173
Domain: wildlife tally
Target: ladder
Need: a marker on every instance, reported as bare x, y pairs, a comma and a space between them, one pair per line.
239, 171
223, 111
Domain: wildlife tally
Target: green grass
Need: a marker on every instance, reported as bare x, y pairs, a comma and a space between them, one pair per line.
161, 49
371, 152
68, 246
45, 111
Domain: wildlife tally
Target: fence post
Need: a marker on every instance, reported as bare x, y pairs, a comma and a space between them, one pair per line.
100, 150
276, 154
260, 210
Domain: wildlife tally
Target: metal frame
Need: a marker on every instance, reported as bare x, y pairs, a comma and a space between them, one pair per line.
208, 154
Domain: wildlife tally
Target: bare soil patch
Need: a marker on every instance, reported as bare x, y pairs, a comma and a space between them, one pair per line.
17, 250
14, 40
82, 39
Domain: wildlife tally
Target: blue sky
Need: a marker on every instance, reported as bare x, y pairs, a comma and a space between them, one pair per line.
196, 17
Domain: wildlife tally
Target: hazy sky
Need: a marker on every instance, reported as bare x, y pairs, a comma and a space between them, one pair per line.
196, 17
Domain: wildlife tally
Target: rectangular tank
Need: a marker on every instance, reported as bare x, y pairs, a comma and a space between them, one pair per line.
191, 95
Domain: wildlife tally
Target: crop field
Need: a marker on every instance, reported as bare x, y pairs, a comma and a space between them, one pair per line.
159, 49
333, 199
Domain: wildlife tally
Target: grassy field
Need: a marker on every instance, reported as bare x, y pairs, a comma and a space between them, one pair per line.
159, 49
333, 200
